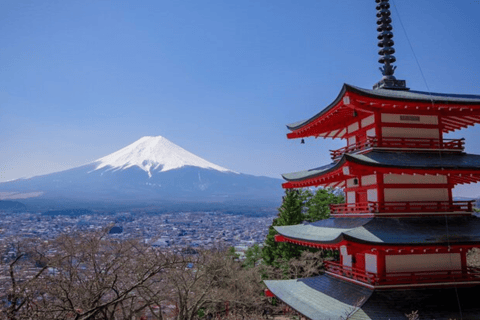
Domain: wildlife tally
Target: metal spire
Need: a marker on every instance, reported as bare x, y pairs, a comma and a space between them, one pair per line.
386, 51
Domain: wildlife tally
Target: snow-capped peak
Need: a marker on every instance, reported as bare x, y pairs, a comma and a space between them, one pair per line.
153, 153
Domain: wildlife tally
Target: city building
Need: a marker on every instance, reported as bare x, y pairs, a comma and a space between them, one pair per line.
402, 239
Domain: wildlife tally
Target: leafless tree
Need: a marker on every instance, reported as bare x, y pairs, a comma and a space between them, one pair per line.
93, 276
84, 277
22, 264
309, 264
216, 284
102, 278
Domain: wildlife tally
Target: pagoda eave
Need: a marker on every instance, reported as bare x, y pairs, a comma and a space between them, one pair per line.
391, 249
460, 168
456, 111
329, 297
386, 232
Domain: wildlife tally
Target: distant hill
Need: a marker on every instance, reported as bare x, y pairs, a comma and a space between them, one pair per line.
67, 212
150, 172
8, 205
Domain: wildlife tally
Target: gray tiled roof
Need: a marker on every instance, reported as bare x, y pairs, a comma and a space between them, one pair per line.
407, 160
325, 297
396, 231
420, 96
399, 95
418, 160
309, 173
439, 304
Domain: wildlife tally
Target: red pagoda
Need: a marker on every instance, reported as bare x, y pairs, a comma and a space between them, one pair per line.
402, 239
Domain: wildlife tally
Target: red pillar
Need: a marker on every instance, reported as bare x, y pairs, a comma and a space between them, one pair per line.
380, 188
440, 131
381, 266
463, 257
378, 127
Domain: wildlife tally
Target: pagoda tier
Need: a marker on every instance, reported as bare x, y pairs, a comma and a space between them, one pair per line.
326, 297
388, 253
356, 109
394, 183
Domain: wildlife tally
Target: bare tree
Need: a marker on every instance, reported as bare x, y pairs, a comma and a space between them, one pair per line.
101, 278
84, 277
213, 282
93, 276
309, 264
22, 264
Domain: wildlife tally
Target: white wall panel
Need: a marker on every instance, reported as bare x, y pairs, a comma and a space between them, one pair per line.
351, 184
414, 179
352, 140
372, 195
423, 262
334, 132
351, 197
347, 260
342, 133
409, 118
353, 127
416, 194
397, 132
369, 180
371, 132
368, 121
370, 263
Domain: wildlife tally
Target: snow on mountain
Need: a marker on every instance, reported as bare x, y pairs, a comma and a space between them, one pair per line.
153, 154
120, 180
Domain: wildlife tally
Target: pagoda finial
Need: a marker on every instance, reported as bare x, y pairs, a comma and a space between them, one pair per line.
386, 51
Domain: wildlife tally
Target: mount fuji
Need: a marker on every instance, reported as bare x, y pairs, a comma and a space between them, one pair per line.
152, 171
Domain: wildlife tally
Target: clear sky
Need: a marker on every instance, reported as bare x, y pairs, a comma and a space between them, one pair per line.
82, 79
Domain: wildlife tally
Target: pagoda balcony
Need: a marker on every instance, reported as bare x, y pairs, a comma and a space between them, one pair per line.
465, 275
401, 143
373, 208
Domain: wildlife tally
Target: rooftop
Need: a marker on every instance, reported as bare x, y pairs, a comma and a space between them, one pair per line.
398, 160
333, 117
395, 231
325, 297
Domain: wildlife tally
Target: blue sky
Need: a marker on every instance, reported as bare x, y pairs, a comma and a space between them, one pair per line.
81, 79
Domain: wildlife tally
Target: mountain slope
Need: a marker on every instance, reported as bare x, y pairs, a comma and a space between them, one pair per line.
150, 171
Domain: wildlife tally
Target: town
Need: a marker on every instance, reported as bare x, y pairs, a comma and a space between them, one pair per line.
175, 230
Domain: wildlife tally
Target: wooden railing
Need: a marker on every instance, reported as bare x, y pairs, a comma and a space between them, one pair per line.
360, 145
353, 208
398, 278
418, 143
401, 143
401, 207
458, 275
349, 272
424, 206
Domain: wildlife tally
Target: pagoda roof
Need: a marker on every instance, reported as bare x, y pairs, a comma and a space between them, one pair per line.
322, 297
380, 99
326, 297
394, 231
396, 160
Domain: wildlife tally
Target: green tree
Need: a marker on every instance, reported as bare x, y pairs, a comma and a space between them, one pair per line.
252, 256
289, 213
298, 206
232, 254
318, 206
